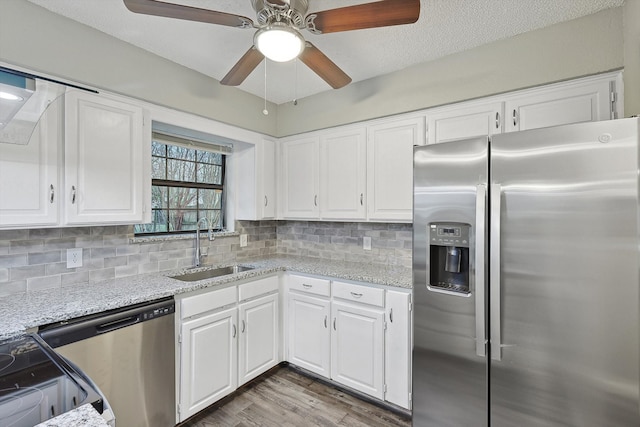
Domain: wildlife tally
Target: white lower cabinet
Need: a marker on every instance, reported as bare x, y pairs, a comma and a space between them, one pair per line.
259, 337
222, 343
397, 348
356, 334
208, 359
309, 334
357, 347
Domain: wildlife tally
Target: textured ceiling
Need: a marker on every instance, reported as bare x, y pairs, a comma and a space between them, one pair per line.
444, 27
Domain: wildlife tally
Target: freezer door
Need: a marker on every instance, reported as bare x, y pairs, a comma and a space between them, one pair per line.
564, 289
449, 366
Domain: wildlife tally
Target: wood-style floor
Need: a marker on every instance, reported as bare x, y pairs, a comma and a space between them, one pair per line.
285, 398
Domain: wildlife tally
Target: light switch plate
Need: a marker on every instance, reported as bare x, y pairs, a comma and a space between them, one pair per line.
74, 257
366, 243
243, 240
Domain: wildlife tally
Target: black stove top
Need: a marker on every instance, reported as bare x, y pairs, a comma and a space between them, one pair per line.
36, 384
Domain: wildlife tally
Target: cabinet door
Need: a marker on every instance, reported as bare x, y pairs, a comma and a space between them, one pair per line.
30, 175
464, 122
309, 334
300, 178
267, 179
208, 361
559, 105
104, 160
259, 338
357, 348
397, 349
390, 169
343, 175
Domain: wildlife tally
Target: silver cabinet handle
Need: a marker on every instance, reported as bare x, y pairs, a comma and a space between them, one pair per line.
497, 120
334, 324
266, 201
73, 194
51, 193
356, 295
315, 200
515, 117
494, 269
481, 223
391, 315
234, 331
244, 327
325, 322
361, 198
307, 286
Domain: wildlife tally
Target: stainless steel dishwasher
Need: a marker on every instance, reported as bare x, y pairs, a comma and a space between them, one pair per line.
130, 354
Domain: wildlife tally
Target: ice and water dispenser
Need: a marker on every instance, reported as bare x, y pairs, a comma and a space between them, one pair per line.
449, 257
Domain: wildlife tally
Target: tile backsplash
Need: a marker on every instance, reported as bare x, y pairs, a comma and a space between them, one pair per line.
36, 259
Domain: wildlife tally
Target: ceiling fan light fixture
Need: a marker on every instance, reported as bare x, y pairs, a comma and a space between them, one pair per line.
279, 42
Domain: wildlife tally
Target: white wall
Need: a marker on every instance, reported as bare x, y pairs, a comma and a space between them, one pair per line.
584, 46
632, 57
35, 39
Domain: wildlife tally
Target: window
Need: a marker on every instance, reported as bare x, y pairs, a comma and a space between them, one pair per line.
187, 185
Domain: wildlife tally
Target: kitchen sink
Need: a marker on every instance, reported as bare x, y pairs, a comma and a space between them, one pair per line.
210, 274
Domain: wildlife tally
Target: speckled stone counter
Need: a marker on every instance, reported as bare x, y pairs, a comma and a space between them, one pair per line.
21, 312
85, 416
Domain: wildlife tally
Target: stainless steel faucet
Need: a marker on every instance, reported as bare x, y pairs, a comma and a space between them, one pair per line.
196, 260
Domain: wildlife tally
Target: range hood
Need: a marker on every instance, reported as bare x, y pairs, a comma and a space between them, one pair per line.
23, 100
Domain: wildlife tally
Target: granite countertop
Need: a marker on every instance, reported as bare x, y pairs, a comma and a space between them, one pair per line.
85, 416
25, 311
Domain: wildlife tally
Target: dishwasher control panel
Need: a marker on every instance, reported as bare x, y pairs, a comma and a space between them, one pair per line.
158, 312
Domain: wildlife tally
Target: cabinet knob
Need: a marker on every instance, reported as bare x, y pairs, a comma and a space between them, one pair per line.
266, 201
315, 200
307, 286
497, 120
356, 295
51, 193
73, 194
334, 324
391, 315
515, 117
244, 326
325, 322
234, 331
361, 198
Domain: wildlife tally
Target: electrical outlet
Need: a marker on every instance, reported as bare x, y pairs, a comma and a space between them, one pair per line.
243, 240
74, 257
366, 243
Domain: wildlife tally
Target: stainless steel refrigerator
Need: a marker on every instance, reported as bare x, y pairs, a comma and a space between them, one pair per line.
526, 279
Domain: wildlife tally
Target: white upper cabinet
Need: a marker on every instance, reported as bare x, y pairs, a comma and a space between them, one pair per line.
343, 174
300, 162
564, 103
390, 168
256, 178
30, 175
458, 122
105, 156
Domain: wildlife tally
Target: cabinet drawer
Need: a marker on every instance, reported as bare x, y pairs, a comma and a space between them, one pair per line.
358, 293
198, 304
258, 287
310, 285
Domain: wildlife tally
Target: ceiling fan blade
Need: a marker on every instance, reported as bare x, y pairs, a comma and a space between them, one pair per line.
382, 13
243, 67
324, 67
178, 11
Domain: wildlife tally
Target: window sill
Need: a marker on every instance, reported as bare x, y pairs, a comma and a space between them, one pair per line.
186, 236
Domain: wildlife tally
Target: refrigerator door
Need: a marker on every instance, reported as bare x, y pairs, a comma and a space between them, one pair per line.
564, 302
449, 366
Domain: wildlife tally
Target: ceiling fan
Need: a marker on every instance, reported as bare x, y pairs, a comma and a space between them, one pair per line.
278, 24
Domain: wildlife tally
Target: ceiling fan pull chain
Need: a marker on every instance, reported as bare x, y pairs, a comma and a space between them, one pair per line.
295, 89
265, 111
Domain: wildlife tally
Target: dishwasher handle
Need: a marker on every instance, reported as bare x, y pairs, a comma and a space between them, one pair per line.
117, 324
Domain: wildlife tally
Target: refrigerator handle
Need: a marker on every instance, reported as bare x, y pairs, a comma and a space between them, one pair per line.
481, 221
494, 281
